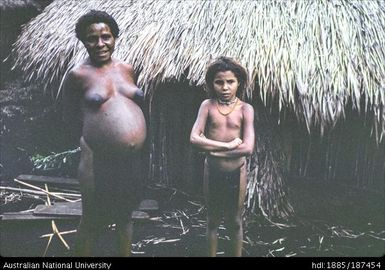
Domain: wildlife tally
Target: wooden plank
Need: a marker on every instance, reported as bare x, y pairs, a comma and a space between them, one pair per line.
140, 215
148, 205
11, 216
48, 179
74, 209
145, 205
59, 209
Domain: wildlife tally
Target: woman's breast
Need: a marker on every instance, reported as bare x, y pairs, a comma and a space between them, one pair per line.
117, 125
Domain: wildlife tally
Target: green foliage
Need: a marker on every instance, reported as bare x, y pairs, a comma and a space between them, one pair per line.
63, 162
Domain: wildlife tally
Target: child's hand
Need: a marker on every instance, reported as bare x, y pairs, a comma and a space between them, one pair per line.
234, 143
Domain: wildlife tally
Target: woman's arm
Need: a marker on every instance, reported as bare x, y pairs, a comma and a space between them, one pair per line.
198, 139
72, 115
247, 146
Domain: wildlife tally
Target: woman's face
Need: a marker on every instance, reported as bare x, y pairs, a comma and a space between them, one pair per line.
99, 42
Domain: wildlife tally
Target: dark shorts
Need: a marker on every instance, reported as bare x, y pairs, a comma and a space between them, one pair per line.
119, 185
223, 189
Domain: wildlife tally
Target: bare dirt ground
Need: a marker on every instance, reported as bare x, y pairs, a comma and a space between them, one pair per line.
330, 222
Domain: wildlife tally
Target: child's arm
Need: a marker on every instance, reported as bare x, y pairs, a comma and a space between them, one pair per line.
247, 146
198, 138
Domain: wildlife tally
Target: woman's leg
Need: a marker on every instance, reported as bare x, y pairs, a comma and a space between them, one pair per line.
86, 230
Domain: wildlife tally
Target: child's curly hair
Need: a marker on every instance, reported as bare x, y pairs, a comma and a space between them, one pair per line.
224, 63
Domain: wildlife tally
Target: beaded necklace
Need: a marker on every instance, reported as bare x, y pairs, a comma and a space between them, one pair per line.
235, 101
227, 102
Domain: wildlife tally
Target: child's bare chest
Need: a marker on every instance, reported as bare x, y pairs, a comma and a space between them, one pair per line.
229, 122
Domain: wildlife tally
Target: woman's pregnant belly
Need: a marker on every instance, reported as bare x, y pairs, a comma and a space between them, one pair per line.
118, 125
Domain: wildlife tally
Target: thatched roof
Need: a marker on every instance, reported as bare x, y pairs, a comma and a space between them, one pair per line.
315, 57
15, 4
10, 5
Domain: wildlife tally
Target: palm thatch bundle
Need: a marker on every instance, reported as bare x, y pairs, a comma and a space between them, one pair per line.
314, 58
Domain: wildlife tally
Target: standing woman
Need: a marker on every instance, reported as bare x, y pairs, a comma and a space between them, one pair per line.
102, 105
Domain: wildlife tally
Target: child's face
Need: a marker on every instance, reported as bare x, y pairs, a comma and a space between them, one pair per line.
225, 85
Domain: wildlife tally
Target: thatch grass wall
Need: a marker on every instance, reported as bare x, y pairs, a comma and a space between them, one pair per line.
347, 154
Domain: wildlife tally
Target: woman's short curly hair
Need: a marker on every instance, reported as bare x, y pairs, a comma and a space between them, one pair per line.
95, 16
224, 63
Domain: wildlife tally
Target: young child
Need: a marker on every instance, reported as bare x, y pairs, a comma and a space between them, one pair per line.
224, 129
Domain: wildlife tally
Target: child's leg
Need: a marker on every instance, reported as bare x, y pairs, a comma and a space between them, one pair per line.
213, 214
234, 216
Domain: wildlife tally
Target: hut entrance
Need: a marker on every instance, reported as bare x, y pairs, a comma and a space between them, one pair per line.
173, 162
